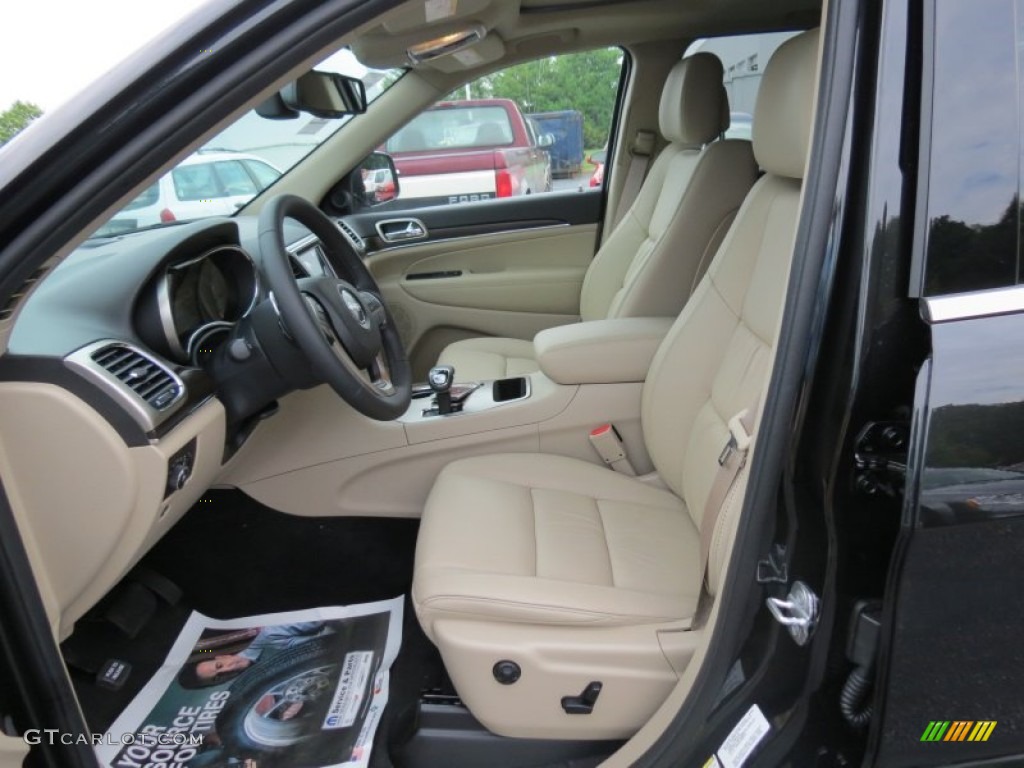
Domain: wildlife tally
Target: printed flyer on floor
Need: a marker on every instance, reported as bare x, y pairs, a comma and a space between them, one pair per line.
303, 689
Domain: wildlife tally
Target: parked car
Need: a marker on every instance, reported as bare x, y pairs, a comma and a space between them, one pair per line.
203, 184
566, 130
471, 150
799, 545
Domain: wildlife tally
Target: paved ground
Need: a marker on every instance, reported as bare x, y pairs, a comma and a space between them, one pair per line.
577, 181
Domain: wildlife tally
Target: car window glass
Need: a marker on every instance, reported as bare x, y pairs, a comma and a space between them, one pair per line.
267, 147
526, 129
972, 151
149, 197
454, 126
234, 179
263, 173
196, 182
743, 58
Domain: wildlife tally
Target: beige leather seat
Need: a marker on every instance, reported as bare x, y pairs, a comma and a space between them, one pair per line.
658, 252
577, 573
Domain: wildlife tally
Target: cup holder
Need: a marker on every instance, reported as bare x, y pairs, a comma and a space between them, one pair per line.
510, 389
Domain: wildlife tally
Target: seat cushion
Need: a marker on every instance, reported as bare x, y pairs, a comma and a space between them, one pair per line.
544, 539
489, 358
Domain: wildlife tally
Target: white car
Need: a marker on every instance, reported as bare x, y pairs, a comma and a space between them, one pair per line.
203, 184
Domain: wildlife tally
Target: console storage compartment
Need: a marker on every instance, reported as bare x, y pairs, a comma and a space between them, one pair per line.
601, 351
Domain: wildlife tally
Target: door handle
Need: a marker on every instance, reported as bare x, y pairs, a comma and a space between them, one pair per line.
401, 230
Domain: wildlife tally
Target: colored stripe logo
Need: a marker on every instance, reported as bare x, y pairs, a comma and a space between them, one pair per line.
958, 730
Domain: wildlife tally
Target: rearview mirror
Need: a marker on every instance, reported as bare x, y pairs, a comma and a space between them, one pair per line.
546, 140
322, 94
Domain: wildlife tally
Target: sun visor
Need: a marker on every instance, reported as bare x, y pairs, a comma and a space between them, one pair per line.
490, 49
413, 16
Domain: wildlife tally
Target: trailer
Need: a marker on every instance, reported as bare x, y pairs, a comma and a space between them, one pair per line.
566, 128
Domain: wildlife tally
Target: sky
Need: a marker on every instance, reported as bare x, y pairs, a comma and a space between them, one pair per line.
52, 49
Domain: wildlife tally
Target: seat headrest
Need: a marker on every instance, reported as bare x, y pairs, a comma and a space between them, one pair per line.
783, 115
691, 102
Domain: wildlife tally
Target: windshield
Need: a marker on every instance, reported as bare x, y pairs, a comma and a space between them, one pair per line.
241, 161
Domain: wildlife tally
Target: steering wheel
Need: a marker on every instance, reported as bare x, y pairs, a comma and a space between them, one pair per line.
341, 325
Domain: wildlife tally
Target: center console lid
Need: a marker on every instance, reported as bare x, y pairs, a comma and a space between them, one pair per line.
601, 351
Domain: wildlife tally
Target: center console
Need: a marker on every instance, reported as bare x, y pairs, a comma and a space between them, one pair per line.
466, 398
319, 457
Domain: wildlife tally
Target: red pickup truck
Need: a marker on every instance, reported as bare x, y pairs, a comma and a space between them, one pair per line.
465, 151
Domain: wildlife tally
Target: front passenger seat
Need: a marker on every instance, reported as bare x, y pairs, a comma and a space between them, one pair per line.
563, 574
656, 255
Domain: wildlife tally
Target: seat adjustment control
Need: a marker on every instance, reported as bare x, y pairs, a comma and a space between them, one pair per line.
584, 703
506, 672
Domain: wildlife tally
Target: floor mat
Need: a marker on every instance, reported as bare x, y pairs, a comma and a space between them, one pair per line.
233, 556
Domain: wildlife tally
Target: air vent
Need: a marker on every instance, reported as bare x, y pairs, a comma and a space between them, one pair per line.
153, 383
18, 295
357, 241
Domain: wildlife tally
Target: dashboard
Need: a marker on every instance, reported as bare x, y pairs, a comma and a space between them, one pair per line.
119, 368
171, 296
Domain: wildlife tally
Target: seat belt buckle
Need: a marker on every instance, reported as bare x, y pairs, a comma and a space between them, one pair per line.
739, 438
609, 447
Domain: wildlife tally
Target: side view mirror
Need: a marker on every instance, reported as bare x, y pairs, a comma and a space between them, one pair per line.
545, 140
379, 180
597, 157
321, 94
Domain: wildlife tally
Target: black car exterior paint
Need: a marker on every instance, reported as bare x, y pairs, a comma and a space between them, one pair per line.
956, 590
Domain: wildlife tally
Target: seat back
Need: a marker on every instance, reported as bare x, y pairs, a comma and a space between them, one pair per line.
715, 360
653, 259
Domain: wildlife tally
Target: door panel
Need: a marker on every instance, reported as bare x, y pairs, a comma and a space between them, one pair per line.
444, 222
496, 268
512, 283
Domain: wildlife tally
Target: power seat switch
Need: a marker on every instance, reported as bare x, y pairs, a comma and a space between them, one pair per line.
584, 703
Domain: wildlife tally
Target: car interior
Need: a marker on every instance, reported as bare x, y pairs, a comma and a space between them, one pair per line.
533, 419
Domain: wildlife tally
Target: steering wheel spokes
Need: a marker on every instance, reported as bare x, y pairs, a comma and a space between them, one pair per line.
342, 325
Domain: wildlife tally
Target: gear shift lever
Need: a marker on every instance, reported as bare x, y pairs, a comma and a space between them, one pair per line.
440, 379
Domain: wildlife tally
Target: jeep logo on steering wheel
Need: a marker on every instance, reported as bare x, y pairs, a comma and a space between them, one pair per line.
356, 308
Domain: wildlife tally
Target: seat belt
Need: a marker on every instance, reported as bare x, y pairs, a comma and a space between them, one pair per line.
640, 158
730, 462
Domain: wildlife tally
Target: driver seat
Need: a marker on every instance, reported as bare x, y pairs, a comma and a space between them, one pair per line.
537, 575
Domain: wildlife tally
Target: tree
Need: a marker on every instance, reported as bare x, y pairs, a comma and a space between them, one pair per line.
586, 82
16, 117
